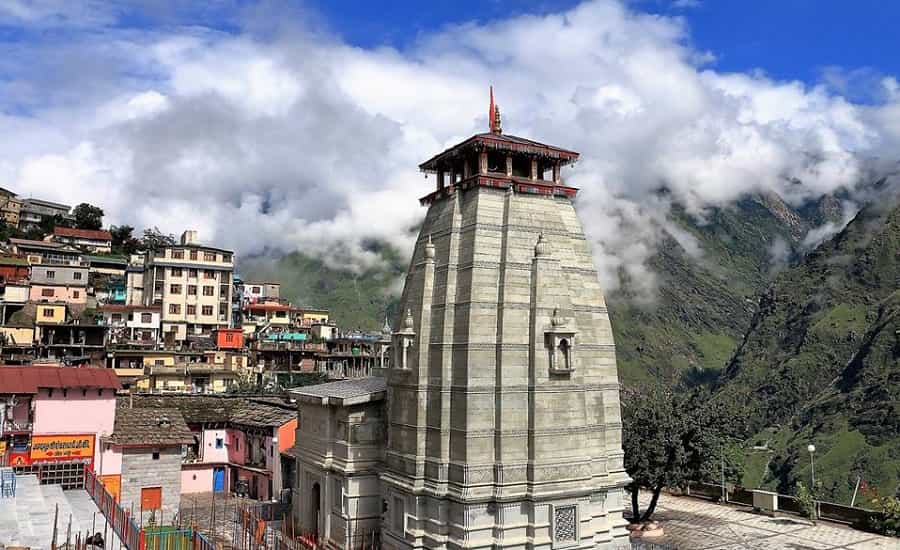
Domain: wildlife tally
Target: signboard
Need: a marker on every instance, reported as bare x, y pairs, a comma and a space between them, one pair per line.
113, 484
2, 447
62, 447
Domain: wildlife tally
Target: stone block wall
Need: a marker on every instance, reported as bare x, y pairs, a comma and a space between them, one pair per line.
140, 470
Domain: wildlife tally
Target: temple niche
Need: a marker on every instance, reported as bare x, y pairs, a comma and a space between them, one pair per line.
497, 423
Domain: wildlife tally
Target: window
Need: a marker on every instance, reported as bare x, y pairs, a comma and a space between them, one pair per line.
158, 362
176, 272
209, 274
76, 294
158, 286
207, 310
220, 443
565, 524
192, 273
48, 312
229, 337
226, 258
192, 310
155, 455
151, 498
281, 314
192, 290
76, 275
174, 289
209, 291
193, 254
48, 292
255, 290
209, 256
223, 308
175, 309
116, 317
146, 318
51, 274
178, 255
223, 291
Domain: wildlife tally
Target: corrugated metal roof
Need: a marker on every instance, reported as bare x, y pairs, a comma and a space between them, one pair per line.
98, 235
30, 378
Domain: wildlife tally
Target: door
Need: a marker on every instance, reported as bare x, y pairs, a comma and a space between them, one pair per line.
218, 479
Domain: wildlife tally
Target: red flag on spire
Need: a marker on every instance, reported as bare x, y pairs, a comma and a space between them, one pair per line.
492, 114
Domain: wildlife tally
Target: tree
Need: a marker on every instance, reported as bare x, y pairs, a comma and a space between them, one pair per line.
123, 240
88, 216
154, 239
672, 437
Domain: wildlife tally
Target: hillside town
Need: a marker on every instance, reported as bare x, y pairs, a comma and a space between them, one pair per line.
176, 330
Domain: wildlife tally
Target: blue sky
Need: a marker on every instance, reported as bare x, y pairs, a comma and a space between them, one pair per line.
788, 39
300, 125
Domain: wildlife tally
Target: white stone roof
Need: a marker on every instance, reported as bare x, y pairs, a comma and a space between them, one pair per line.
343, 392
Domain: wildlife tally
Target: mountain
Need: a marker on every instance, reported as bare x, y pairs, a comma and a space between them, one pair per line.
705, 303
819, 363
357, 299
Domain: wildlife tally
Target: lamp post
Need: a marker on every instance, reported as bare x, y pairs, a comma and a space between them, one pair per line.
812, 465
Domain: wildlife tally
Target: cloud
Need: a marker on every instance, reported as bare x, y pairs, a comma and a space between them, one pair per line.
272, 137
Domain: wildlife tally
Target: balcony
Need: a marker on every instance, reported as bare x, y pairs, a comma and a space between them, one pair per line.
10, 426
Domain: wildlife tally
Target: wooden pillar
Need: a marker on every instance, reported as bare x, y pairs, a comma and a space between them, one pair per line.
534, 169
482, 162
440, 180
556, 177
467, 169
509, 166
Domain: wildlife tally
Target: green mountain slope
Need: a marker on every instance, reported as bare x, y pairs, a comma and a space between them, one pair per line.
819, 362
705, 303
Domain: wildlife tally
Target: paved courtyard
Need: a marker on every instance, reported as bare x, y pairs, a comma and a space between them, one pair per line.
694, 524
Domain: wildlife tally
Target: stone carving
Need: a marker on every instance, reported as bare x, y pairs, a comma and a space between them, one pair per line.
565, 526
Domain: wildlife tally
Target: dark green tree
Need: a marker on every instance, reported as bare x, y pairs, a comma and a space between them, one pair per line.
672, 437
123, 240
88, 216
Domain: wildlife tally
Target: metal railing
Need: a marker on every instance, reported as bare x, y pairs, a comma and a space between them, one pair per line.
119, 519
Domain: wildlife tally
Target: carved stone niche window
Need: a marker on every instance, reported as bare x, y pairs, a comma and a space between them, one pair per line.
403, 342
560, 342
565, 525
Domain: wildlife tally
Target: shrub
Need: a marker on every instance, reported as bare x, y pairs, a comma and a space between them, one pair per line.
887, 520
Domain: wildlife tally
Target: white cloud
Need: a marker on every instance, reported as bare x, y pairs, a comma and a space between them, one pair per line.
301, 141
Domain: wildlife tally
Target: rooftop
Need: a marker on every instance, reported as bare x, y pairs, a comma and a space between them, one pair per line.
202, 409
501, 142
343, 392
36, 244
150, 427
30, 378
42, 202
126, 307
97, 235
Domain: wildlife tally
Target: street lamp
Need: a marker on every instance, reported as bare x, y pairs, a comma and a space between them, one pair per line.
812, 465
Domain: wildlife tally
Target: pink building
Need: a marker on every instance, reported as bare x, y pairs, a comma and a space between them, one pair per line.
58, 293
52, 418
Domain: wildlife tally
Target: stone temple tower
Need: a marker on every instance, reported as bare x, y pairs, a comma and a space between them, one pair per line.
503, 424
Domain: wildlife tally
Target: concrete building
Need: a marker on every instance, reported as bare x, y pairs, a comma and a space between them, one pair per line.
134, 281
90, 240
52, 417
141, 461
132, 325
13, 269
10, 207
59, 283
35, 211
42, 252
192, 283
254, 292
501, 403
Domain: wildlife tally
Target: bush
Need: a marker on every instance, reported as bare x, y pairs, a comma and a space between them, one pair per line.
807, 501
887, 520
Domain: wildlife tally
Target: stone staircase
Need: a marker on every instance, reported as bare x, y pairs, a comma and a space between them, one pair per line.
27, 519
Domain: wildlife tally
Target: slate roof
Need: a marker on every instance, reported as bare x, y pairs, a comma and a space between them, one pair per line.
504, 142
150, 428
30, 378
343, 392
203, 409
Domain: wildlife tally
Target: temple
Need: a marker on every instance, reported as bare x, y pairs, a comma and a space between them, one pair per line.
496, 422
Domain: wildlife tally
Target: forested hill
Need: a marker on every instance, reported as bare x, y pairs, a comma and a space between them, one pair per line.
819, 362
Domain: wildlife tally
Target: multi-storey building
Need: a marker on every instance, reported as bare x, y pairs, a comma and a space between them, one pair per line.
98, 242
42, 252
59, 283
35, 211
258, 291
193, 284
10, 207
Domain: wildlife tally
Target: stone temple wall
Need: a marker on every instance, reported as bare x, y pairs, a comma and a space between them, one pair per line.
503, 406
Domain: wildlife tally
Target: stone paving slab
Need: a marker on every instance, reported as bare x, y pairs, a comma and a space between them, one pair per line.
695, 524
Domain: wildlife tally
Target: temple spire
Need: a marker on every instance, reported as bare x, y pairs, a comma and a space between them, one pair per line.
494, 116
